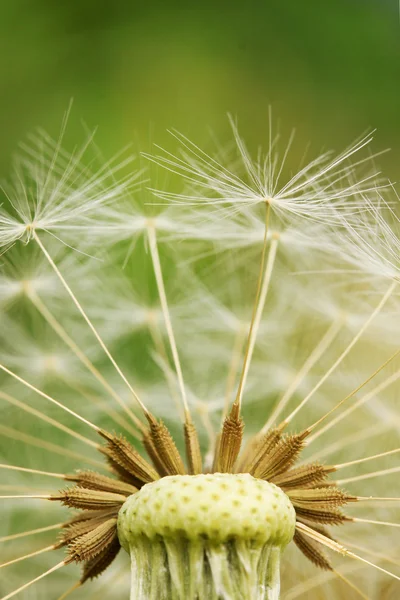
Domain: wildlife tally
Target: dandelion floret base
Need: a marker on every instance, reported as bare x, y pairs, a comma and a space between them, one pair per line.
206, 536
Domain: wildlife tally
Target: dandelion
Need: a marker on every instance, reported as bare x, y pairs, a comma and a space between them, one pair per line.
256, 453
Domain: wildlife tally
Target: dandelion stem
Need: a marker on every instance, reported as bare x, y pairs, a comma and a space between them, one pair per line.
233, 368
351, 585
49, 446
71, 589
317, 580
30, 555
261, 295
101, 403
49, 398
204, 413
153, 246
379, 388
23, 534
44, 417
371, 564
160, 348
366, 459
322, 539
27, 496
88, 321
344, 353
372, 553
120, 577
315, 355
49, 317
4, 487
23, 587
374, 498
364, 434
33, 471
380, 473
370, 521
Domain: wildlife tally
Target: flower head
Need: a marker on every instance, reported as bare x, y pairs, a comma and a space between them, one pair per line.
246, 315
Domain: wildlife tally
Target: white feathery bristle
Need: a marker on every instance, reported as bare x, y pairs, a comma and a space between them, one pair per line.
322, 190
55, 191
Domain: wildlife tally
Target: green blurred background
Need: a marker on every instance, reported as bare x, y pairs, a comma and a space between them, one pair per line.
330, 69
134, 69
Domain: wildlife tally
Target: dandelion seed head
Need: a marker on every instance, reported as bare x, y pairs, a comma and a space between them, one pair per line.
243, 325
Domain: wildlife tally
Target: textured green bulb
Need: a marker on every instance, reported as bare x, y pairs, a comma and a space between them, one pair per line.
206, 536
218, 507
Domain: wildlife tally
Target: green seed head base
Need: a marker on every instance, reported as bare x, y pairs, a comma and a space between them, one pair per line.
206, 536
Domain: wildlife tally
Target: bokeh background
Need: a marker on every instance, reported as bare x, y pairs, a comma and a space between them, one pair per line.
330, 69
137, 69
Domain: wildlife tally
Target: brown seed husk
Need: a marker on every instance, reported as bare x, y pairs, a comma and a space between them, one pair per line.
95, 566
192, 445
230, 441
305, 476
92, 543
77, 497
122, 474
323, 515
74, 530
95, 481
312, 551
258, 449
153, 454
86, 515
125, 455
326, 496
165, 447
282, 457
